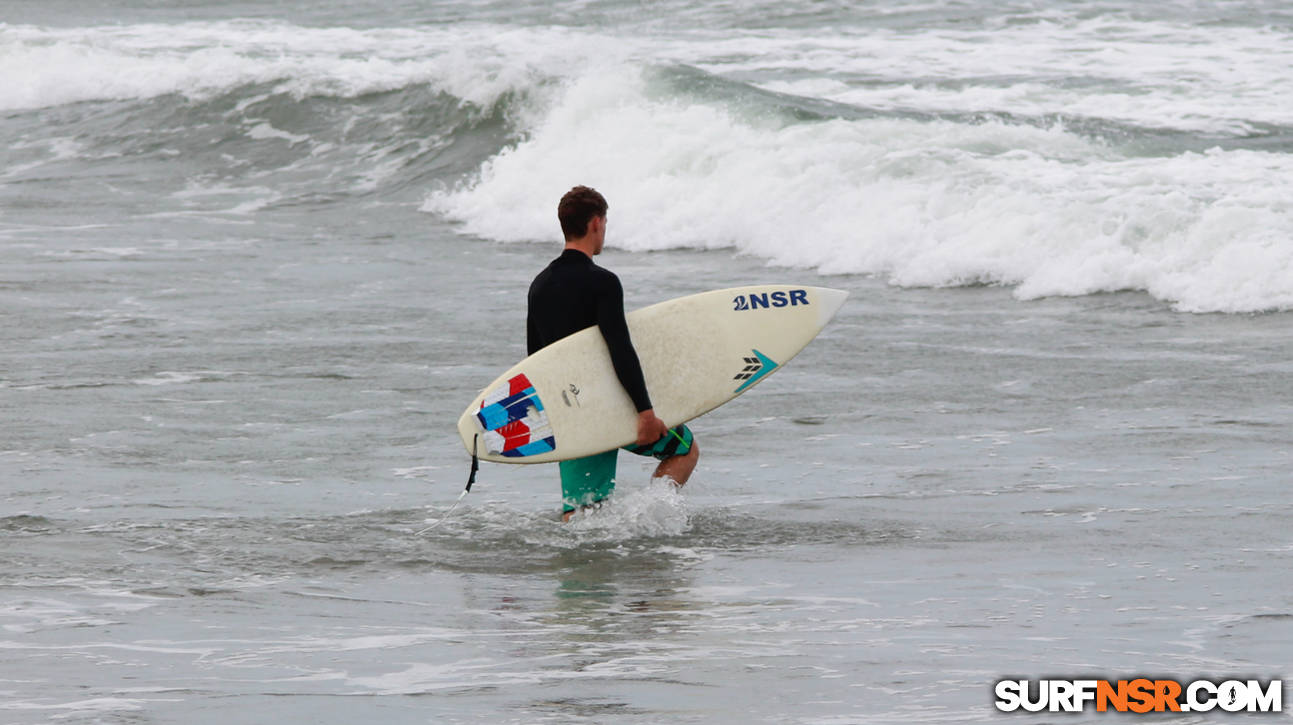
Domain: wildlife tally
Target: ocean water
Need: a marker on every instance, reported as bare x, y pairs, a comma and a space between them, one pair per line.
255, 257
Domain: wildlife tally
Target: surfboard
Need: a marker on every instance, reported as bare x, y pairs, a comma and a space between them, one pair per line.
697, 352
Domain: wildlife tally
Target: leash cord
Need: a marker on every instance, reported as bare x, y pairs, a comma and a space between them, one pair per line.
471, 479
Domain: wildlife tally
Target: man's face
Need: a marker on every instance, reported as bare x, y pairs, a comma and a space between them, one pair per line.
599, 230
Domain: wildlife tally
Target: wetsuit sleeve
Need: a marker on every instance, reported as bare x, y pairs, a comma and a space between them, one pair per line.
615, 329
532, 344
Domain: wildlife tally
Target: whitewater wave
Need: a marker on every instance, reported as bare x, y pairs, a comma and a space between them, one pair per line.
920, 202
1219, 80
929, 158
51, 67
1210, 79
240, 117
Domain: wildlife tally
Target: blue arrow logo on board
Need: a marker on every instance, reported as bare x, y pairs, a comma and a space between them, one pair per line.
755, 368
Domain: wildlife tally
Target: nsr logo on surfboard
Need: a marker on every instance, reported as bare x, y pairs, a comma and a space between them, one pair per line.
764, 300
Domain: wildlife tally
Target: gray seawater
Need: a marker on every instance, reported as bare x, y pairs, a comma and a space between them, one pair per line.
240, 319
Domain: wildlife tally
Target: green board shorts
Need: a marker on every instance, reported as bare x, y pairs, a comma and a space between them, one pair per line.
591, 479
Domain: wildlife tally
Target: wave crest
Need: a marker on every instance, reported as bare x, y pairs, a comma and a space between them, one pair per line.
918, 201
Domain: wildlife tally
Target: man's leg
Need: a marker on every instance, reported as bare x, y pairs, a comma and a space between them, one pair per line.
586, 481
679, 467
677, 452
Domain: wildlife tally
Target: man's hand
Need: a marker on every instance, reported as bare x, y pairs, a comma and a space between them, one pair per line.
650, 428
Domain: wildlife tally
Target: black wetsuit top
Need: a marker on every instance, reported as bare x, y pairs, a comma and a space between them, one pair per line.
571, 294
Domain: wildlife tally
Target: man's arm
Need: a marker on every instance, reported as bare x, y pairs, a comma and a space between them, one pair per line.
531, 335
615, 330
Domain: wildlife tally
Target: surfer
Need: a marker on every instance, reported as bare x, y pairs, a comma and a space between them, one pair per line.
571, 294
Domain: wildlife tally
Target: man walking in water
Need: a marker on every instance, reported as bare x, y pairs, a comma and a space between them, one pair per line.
573, 293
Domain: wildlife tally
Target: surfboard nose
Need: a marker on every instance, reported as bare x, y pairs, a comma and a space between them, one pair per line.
830, 301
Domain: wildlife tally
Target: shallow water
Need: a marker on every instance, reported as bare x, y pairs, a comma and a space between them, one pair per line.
219, 506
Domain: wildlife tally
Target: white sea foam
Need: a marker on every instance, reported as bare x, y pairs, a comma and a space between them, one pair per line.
92, 705
49, 67
172, 377
1163, 74
918, 202
921, 203
657, 509
265, 131
1153, 73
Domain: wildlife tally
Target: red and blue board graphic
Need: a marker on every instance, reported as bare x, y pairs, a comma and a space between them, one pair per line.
514, 421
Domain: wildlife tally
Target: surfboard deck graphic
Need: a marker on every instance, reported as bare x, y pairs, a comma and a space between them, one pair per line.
513, 420
697, 352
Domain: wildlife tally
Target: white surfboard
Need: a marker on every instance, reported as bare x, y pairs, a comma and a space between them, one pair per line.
697, 352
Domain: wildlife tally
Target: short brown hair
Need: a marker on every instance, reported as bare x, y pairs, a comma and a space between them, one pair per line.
577, 208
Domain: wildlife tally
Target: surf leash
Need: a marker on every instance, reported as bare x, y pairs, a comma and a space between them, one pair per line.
471, 479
